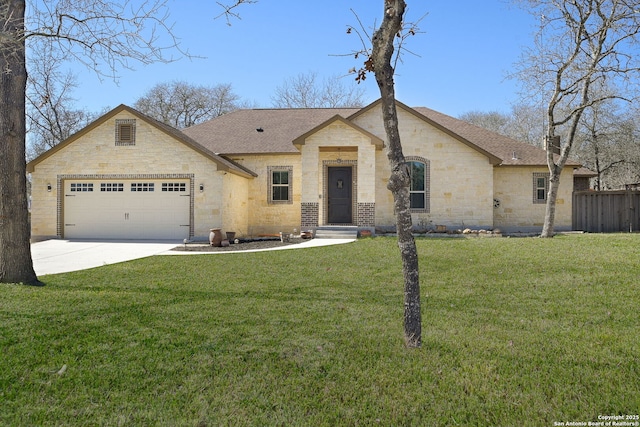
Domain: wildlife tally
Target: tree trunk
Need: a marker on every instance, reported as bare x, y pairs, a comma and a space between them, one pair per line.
16, 265
381, 56
550, 211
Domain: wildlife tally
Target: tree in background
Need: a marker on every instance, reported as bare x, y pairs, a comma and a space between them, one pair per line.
181, 104
51, 117
580, 45
608, 145
104, 35
490, 120
523, 123
527, 124
305, 91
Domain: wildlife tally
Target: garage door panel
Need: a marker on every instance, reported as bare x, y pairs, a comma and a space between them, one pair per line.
125, 209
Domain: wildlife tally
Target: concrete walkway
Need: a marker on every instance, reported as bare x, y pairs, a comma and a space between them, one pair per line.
62, 256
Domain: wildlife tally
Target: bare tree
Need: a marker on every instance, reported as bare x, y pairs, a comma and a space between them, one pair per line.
581, 44
527, 123
608, 145
228, 9
387, 45
382, 52
523, 123
491, 120
381, 61
102, 34
51, 117
181, 104
304, 91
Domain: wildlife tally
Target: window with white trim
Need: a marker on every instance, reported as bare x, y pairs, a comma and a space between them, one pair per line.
280, 184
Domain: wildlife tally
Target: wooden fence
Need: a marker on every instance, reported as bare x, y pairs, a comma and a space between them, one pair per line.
606, 211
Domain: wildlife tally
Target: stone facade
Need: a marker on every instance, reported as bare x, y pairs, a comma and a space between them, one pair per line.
155, 155
460, 180
263, 216
514, 207
465, 187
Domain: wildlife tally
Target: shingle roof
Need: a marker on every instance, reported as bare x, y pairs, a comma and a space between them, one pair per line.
510, 151
223, 163
237, 132
272, 131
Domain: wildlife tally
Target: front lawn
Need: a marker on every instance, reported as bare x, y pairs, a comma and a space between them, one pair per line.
516, 332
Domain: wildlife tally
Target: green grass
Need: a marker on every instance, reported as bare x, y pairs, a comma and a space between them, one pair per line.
516, 332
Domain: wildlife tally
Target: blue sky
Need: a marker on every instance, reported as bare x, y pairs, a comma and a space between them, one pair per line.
465, 52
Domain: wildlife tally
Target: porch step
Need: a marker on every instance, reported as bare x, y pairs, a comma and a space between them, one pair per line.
336, 232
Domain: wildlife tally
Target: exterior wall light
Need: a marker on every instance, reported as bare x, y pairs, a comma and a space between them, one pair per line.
201, 188
49, 188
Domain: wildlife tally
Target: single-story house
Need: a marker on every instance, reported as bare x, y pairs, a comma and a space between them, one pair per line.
262, 171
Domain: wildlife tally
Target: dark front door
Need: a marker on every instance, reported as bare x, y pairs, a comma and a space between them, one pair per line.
340, 195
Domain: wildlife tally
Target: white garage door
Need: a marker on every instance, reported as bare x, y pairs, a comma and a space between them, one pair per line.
126, 209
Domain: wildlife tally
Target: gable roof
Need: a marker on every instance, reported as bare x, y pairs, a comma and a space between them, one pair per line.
510, 151
492, 158
239, 132
223, 164
275, 131
379, 143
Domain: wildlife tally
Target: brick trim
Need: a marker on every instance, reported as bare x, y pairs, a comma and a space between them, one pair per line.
310, 215
537, 175
366, 215
128, 142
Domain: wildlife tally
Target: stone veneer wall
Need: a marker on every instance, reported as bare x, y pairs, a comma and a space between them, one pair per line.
460, 179
514, 207
154, 154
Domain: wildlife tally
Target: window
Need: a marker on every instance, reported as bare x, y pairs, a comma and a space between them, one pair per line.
142, 186
540, 187
77, 187
125, 132
280, 184
419, 186
174, 186
111, 186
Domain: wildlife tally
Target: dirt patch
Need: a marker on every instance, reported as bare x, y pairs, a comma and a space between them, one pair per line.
243, 245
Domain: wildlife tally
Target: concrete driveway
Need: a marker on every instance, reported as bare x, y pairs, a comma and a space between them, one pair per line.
62, 256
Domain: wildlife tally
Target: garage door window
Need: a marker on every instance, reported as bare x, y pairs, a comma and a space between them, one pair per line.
142, 186
174, 186
81, 187
112, 186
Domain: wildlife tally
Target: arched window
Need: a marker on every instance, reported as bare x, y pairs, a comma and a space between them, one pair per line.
419, 187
